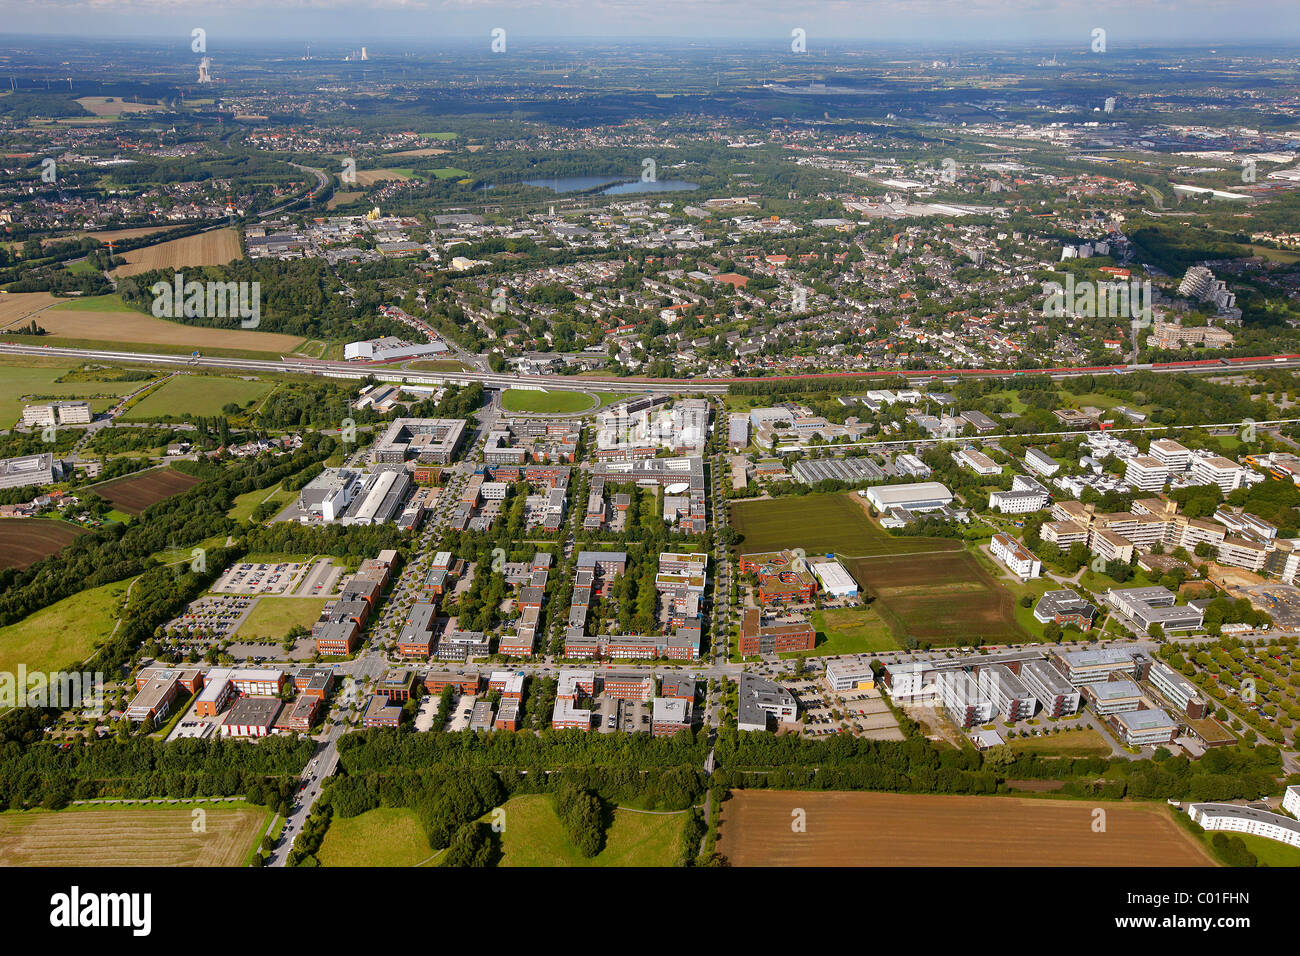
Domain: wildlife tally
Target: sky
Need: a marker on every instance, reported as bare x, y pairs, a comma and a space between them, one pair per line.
377, 23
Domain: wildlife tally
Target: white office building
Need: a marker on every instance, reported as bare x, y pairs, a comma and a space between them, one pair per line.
1171, 454
916, 496
977, 462
1019, 560
1008, 693
835, 581
1230, 816
961, 695
1041, 462
1146, 473
1214, 470
1058, 696
1291, 800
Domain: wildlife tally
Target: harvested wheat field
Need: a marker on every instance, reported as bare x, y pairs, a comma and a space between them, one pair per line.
342, 198
851, 828
133, 233
137, 327
214, 248
112, 106
19, 307
106, 319
368, 177
134, 837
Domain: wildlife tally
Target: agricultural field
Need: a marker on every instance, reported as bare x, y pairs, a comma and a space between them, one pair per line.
821, 524
17, 308
24, 541
368, 177
857, 828
133, 493
107, 321
214, 248
385, 836
938, 599
528, 400
342, 199
199, 395
534, 836
128, 837
272, 617
112, 106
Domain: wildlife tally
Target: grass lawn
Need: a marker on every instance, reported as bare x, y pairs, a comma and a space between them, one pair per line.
63, 633
448, 172
534, 836
245, 503
849, 630
821, 524
1270, 852
95, 303
529, 400
22, 385
195, 395
386, 836
1068, 743
271, 617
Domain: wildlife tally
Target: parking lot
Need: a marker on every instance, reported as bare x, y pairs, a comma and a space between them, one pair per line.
1281, 601
461, 712
246, 578
210, 618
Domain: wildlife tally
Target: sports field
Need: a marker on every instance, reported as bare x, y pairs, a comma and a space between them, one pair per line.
529, 400
128, 837
214, 248
534, 836
917, 829
133, 493
199, 395
938, 598
106, 319
24, 541
386, 836
821, 524
271, 618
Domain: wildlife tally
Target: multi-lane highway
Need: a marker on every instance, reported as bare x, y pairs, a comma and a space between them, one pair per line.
387, 373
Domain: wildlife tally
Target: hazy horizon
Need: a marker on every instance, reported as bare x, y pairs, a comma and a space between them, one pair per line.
1129, 24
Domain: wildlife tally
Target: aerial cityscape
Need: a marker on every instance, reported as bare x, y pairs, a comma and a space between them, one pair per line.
455, 435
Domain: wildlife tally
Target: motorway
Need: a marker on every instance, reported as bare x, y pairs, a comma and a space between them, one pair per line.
714, 386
